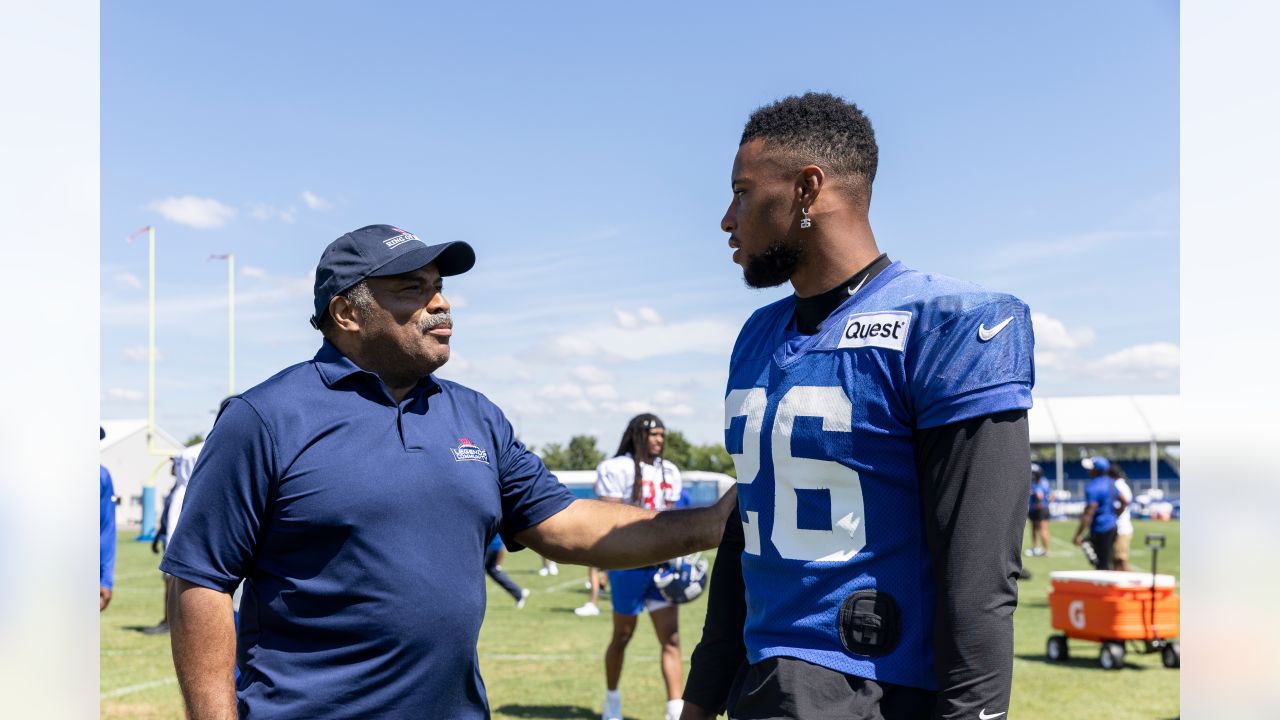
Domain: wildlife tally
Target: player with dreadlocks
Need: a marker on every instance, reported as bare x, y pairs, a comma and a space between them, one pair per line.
637, 474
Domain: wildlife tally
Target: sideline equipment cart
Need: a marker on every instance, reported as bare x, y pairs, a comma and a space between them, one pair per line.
1115, 608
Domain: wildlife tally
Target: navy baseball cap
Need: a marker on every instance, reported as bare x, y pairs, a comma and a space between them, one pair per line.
1036, 470
379, 251
1097, 462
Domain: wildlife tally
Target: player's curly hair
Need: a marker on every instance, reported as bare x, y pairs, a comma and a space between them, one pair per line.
635, 440
820, 129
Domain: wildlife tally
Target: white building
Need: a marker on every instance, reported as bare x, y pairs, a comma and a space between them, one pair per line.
132, 465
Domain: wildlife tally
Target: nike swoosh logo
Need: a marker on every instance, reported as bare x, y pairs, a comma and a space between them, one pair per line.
984, 335
857, 287
983, 715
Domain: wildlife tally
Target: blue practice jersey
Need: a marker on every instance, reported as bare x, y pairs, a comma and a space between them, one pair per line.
821, 432
1040, 486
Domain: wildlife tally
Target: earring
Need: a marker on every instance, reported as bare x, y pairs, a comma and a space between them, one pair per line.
805, 222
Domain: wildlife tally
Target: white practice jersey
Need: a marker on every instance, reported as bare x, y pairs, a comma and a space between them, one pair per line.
662, 485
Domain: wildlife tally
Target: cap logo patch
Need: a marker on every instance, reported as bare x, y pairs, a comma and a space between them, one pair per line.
876, 329
467, 451
404, 237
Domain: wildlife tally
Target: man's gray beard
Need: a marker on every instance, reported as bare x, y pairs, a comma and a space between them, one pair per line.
772, 267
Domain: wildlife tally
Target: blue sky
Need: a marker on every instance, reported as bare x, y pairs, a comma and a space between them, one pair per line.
584, 151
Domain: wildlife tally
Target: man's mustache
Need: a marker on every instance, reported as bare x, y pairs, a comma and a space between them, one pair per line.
436, 320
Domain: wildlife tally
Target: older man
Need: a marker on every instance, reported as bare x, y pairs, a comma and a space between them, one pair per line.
355, 493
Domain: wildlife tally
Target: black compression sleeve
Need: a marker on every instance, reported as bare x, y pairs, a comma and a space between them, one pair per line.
973, 477
721, 650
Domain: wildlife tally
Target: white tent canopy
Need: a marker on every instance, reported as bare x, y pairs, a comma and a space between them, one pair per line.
1106, 420
1151, 420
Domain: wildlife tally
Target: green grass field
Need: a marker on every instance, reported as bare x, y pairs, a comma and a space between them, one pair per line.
545, 662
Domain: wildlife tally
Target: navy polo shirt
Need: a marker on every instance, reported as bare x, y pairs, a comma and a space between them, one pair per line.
360, 526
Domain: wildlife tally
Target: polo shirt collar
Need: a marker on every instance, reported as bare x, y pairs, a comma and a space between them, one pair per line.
334, 367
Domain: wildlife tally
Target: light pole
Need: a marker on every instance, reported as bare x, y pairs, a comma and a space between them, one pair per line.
231, 319
149, 490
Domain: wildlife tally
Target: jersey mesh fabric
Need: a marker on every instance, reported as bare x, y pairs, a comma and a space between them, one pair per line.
843, 513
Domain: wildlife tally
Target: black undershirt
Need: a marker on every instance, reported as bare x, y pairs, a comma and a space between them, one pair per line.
973, 476
811, 312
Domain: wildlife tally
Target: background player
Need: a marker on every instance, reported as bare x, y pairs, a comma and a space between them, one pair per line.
106, 533
877, 419
1099, 518
1124, 521
1038, 511
639, 455
493, 566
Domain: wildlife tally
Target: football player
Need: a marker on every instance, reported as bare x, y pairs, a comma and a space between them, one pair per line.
877, 420
639, 475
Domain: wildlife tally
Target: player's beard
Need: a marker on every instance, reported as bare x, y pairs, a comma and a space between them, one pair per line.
774, 266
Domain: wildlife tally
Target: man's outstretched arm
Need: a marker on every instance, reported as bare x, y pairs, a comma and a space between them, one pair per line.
204, 650
721, 650
614, 535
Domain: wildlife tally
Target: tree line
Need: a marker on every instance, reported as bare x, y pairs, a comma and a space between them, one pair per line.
582, 453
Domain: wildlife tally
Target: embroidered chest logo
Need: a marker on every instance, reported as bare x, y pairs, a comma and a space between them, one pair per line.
469, 451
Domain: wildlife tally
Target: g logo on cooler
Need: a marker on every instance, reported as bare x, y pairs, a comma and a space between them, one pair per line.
1075, 613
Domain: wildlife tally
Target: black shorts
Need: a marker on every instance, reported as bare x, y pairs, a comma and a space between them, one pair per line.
1104, 544
783, 687
1038, 514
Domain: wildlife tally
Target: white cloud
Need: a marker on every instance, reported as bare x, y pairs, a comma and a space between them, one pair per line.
678, 410
128, 279
265, 211
563, 391
569, 345
1159, 360
138, 353
625, 319
252, 271
590, 374
645, 315
313, 201
197, 212
641, 343
635, 407
125, 395
1054, 335
650, 316
601, 392
456, 302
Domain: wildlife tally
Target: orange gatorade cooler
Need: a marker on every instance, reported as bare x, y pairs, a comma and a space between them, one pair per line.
1112, 607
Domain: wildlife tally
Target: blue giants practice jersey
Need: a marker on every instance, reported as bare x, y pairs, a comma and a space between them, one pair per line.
821, 432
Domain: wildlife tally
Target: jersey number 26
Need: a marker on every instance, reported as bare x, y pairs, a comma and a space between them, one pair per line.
847, 534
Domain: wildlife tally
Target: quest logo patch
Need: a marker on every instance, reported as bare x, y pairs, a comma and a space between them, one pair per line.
469, 452
877, 329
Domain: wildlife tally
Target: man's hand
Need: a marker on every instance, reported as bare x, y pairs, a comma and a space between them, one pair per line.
155, 544
104, 598
695, 712
1076, 540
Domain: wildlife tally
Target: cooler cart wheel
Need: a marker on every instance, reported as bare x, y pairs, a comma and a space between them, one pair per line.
1171, 655
1112, 656
1056, 648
